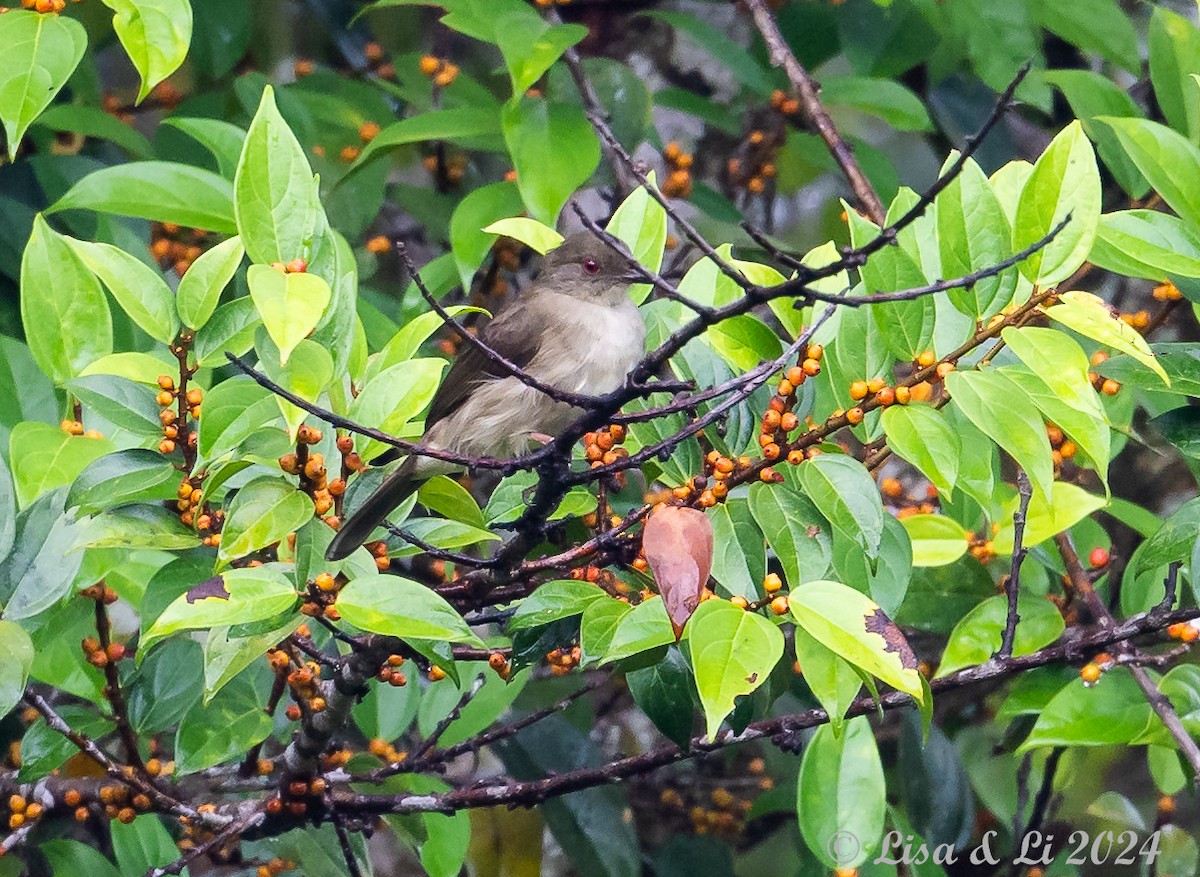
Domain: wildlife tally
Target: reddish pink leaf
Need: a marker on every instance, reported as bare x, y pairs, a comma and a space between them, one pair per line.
678, 543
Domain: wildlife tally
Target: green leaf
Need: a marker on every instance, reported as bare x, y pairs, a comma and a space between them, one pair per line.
646, 627
846, 495
265, 511
468, 241
156, 35
222, 730
400, 607
44, 457
275, 193
936, 539
1146, 243
120, 401
921, 435
1099, 26
233, 411
739, 555
447, 497
220, 138
1065, 180
225, 657
535, 235
1174, 57
834, 682
507, 501
162, 191
94, 122
393, 398
40, 54
973, 234
123, 477
1168, 161
405, 344
597, 626
8, 510
41, 567
1172, 541
166, 685
16, 657
554, 151
841, 796
1089, 315
1091, 94
978, 635
457, 123
236, 596
139, 289
142, 845
641, 222
552, 601
663, 691
142, 525
889, 100
1112, 711
743, 341
856, 629
530, 45
201, 286
290, 305
1001, 410
733, 652
794, 530
230, 329
63, 310
67, 857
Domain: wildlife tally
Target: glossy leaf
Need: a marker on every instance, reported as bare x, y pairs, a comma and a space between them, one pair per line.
162, 191
552, 601
641, 223
921, 435
123, 477
140, 290
1000, 410
290, 305
733, 653
646, 627
833, 681
393, 398
16, 657
554, 150
663, 691
841, 796
1165, 158
265, 511
40, 54
977, 636
220, 730
1146, 243
1174, 44
853, 626
400, 607
1089, 315
794, 529
842, 490
45, 457
278, 216
973, 234
201, 286
63, 310
156, 35
1113, 711
535, 235
936, 539
1065, 181
236, 596
739, 555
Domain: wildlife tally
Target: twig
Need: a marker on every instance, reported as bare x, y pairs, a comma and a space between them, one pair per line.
1170, 586
1163, 708
440, 729
1079, 641
343, 837
235, 828
112, 689
806, 91
1013, 586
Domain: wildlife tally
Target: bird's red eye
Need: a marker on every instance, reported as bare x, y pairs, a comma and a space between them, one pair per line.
591, 266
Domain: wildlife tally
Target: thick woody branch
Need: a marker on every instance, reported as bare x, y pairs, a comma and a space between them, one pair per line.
806, 89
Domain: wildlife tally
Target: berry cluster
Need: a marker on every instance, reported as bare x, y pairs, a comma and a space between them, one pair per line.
1062, 448
274, 868
1104, 385
100, 657
440, 70
1184, 631
678, 183
22, 812
45, 6
75, 427
294, 798
450, 168
174, 419
390, 671
499, 662
1091, 672
754, 163
603, 446
176, 247
381, 748
305, 684
563, 661
1167, 292
718, 810
119, 802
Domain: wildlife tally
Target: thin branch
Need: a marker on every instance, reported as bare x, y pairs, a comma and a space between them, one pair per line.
1077, 642
1163, 708
1013, 586
343, 837
806, 91
1170, 586
235, 828
112, 689
440, 729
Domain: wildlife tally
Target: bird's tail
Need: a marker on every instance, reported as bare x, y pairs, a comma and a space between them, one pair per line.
356, 528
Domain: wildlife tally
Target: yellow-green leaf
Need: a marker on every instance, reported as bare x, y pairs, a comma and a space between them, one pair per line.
1090, 315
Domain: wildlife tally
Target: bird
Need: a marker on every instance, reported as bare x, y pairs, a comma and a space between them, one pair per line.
575, 329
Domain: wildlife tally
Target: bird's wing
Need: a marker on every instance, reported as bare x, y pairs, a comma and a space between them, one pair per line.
507, 335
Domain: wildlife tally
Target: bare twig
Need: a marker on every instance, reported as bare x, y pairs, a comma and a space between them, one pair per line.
806, 90
1013, 586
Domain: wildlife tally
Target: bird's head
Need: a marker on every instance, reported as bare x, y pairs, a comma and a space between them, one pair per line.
586, 267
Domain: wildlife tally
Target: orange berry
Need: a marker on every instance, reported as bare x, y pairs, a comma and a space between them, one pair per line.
740, 602
926, 358
368, 131
429, 65
786, 388
921, 392
854, 416
1098, 557
779, 606
1067, 449
795, 374
1090, 674
903, 395
859, 390
772, 583
1110, 387
886, 396
811, 367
